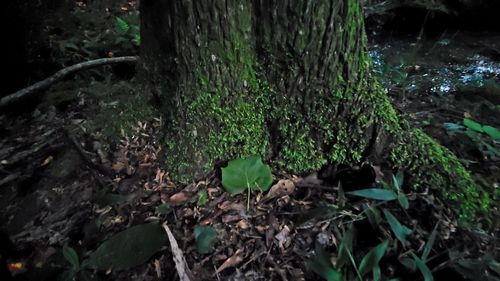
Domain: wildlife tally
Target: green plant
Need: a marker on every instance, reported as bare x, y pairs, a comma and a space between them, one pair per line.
246, 173
387, 193
163, 209
126, 32
489, 130
205, 238
128, 248
202, 197
76, 271
320, 261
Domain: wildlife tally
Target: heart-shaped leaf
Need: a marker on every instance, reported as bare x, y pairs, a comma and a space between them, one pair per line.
371, 260
244, 173
129, 248
205, 238
375, 193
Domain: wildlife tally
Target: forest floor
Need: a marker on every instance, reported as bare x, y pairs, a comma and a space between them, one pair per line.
79, 168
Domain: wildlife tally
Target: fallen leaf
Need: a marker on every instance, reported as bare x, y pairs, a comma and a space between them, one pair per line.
178, 256
118, 166
232, 261
230, 218
242, 224
158, 268
159, 175
178, 198
47, 160
281, 188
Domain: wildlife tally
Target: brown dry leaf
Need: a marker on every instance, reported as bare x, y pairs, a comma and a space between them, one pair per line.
47, 160
230, 218
178, 256
232, 261
242, 224
467, 115
159, 175
281, 188
158, 268
118, 166
211, 191
146, 158
178, 198
262, 228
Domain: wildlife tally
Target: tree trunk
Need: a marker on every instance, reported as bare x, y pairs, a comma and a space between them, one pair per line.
288, 80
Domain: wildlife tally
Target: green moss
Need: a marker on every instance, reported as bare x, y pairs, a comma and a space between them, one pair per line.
434, 166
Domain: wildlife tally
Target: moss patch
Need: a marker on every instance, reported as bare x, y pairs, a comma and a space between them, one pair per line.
437, 168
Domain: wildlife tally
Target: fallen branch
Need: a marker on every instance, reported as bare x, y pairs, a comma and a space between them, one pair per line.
46, 83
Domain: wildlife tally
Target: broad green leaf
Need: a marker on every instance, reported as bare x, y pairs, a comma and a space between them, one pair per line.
375, 193
320, 263
426, 272
205, 238
129, 248
202, 197
403, 200
429, 244
72, 257
473, 125
244, 173
371, 260
122, 26
399, 230
492, 132
344, 249
408, 263
376, 273
163, 209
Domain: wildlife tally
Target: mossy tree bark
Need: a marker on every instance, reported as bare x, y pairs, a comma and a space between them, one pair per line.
288, 80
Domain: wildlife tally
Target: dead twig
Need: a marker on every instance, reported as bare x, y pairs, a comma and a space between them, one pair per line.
46, 83
180, 262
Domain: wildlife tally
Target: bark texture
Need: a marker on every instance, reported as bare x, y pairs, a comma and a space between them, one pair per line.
288, 80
